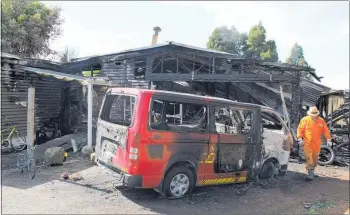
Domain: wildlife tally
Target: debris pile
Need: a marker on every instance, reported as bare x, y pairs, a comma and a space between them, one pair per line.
54, 156
72, 177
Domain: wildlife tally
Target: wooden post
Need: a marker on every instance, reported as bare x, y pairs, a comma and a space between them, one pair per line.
286, 114
87, 150
30, 122
90, 106
92, 71
80, 105
296, 103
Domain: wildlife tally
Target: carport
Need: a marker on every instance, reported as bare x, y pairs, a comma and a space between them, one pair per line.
28, 83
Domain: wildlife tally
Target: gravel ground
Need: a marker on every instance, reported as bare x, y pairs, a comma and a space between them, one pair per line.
97, 193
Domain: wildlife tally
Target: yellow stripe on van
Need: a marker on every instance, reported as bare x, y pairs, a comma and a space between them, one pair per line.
218, 181
242, 179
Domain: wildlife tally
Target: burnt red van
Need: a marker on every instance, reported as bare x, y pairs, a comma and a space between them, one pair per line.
173, 142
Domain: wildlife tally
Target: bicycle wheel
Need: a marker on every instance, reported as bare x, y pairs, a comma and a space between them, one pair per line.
326, 156
31, 168
20, 145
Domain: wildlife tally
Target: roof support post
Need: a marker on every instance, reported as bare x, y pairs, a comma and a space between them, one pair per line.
296, 103
149, 67
30, 122
213, 69
87, 150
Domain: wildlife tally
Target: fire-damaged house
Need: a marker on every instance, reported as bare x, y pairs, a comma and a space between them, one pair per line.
183, 68
170, 66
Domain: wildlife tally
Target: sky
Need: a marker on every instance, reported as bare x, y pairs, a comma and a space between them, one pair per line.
321, 28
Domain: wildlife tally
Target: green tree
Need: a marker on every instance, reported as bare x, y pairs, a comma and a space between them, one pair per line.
258, 47
269, 52
296, 57
28, 27
228, 40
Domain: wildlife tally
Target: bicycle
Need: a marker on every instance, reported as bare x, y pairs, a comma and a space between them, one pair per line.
21, 143
25, 161
339, 152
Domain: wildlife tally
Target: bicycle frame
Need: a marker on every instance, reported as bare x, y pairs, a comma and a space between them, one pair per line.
11, 133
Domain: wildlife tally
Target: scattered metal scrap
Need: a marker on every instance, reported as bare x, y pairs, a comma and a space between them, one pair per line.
242, 190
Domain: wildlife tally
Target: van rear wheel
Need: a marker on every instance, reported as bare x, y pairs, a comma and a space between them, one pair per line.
178, 182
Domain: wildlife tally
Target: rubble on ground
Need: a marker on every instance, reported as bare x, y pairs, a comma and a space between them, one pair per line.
54, 156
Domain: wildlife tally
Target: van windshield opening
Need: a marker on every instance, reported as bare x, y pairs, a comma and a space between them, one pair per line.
119, 109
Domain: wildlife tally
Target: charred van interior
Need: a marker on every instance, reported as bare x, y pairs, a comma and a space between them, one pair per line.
270, 121
178, 116
231, 124
232, 120
118, 109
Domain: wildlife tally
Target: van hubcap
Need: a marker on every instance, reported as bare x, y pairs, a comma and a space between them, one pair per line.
179, 185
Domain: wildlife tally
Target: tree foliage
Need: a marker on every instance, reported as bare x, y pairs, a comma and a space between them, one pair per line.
28, 27
253, 45
228, 40
258, 47
296, 57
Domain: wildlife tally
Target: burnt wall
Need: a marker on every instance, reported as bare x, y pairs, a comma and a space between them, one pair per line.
126, 73
14, 95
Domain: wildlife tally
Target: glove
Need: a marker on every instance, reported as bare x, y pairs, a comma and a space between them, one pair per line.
329, 143
300, 142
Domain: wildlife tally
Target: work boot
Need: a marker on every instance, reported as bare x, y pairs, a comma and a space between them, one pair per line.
310, 175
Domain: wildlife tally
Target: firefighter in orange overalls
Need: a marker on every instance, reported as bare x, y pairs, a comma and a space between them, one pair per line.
309, 134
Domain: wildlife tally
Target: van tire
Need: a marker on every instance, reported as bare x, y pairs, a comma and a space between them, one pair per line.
177, 171
268, 170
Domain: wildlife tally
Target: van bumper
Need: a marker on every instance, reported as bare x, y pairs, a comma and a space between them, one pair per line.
134, 181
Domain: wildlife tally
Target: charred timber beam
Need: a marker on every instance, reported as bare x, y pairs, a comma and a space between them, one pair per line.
222, 78
296, 103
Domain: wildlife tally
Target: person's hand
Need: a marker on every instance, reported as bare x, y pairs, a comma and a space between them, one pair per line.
329, 143
300, 142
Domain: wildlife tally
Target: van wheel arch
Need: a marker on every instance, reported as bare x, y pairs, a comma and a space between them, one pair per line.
181, 169
187, 163
186, 159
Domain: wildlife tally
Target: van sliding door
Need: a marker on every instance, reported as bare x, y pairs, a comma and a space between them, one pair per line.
232, 126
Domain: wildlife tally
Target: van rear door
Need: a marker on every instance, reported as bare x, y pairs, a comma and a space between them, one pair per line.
117, 116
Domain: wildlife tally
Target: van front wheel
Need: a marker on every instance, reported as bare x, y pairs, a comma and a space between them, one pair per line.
178, 182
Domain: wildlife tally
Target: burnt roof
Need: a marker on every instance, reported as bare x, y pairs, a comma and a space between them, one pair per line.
158, 46
88, 61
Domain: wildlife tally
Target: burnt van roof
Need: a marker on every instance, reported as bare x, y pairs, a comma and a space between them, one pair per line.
187, 95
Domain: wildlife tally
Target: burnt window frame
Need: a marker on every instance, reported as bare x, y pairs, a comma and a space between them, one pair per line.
235, 107
103, 111
284, 127
179, 100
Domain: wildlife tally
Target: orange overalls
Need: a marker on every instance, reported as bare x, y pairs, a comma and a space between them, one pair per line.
311, 132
